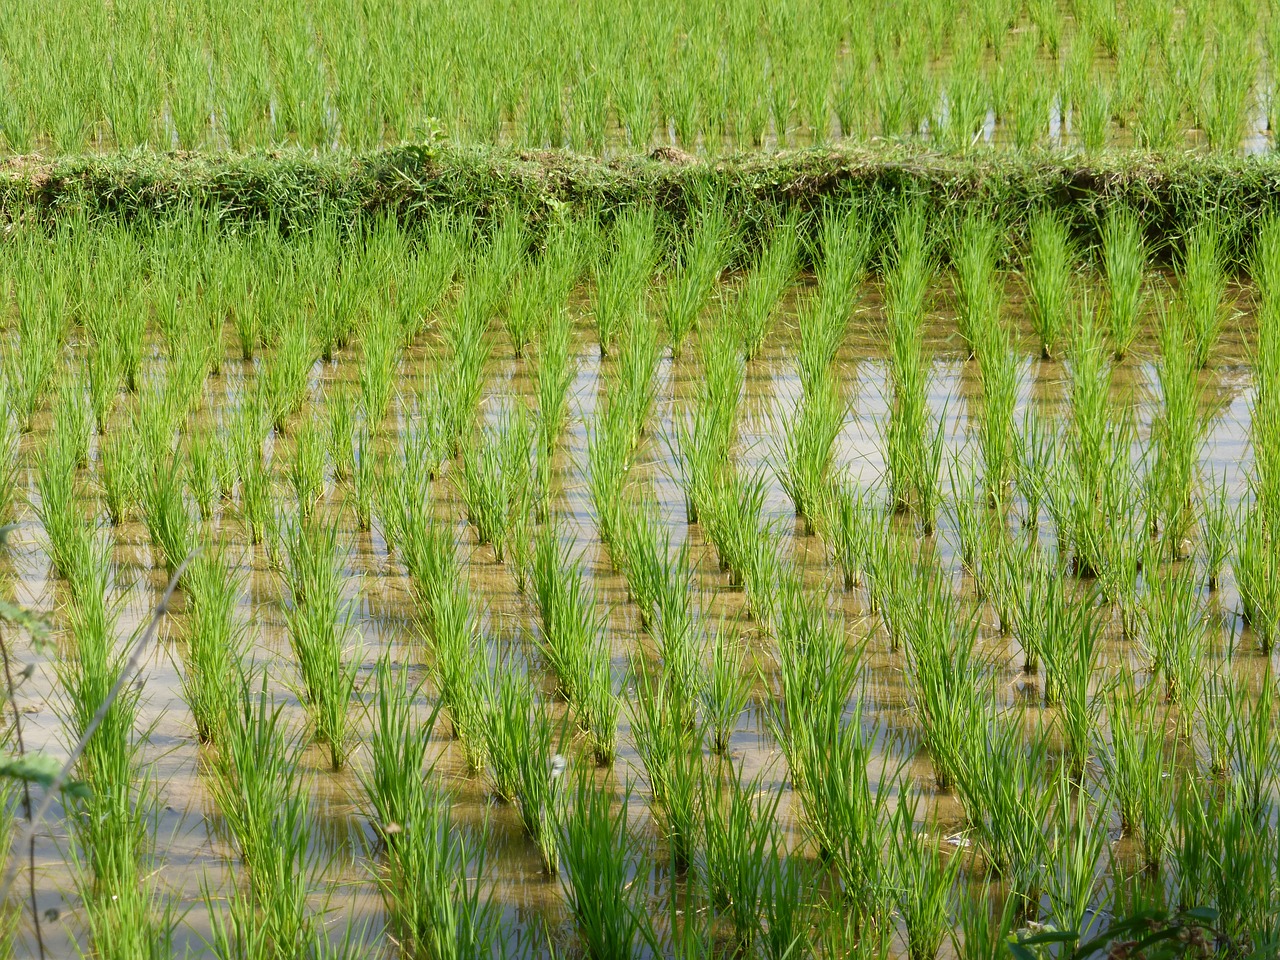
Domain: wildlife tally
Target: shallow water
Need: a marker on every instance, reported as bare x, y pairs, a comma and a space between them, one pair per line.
192, 852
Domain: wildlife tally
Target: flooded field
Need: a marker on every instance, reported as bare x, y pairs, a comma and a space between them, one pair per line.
1064, 629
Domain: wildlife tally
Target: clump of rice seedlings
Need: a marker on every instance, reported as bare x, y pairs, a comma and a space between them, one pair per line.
287, 373
1124, 262
494, 480
1139, 769
699, 259
58, 506
201, 470
379, 358
1177, 435
119, 472
660, 580
1257, 574
1202, 287
599, 857
214, 640
340, 428
266, 811
457, 384
1173, 634
432, 878
319, 627
1000, 374
978, 291
621, 271
305, 468
32, 358
71, 419
739, 836
574, 640
1050, 275
102, 371
704, 435
733, 520
913, 447
804, 454
521, 747
1089, 443
609, 449
923, 879
669, 744
1075, 853
846, 527
10, 453
982, 928
164, 510
1001, 781
725, 689
1035, 444
771, 272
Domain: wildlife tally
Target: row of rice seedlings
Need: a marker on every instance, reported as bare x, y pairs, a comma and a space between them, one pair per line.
1202, 282
697, 264
113, 822
265, 801
430, 878
771, 273
320, 630
574, 641
622, 269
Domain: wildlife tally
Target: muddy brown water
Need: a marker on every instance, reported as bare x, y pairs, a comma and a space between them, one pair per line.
192, 854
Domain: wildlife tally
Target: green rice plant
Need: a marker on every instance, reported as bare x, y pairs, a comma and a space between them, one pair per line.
1075, 854
103, 376
725, 690
999, 370
165, 513
598, 855
1253, 755
1001, 780
58, 506
1225, 98
1050, 278
621, 271
978, 291
669, 746
772, 271
1177, 435
846, 525
201, 470
214, 644
1138, 769
636, 389
659, 580
787, 904
804, 454
431, 883
1035, 445
844, 241
319, 627
1202, 283
1093, 118
1256, 570
257, 502
1173, 634
363, 477
740, 842
733, 520
982, 930
339, 430
609, 449
520, 736
697, 263
119, 472
10, 458
31, 359
71, 419
457, 385
288, 373
458, 670
923, 879
495, 475
258, 787
1124, 261
379, 358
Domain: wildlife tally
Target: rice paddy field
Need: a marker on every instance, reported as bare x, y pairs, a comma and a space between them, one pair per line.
639, 480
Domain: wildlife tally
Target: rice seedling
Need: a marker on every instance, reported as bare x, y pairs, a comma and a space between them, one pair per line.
433, 900
1138, 769
1000, 374
1050, 278
202, 477
669, 745
495, 475
306, 466
740, 843
983, 927
1202, 288
319, 628
621, 271
725, 689
520, 736
287, 373
772, 271
1173, 634
1177, 435
977, 287
803, 462
214, 645
380, 355
659, 580
1075, 850
698, 262
166, 515
598, 855
1124, 260
923, 881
